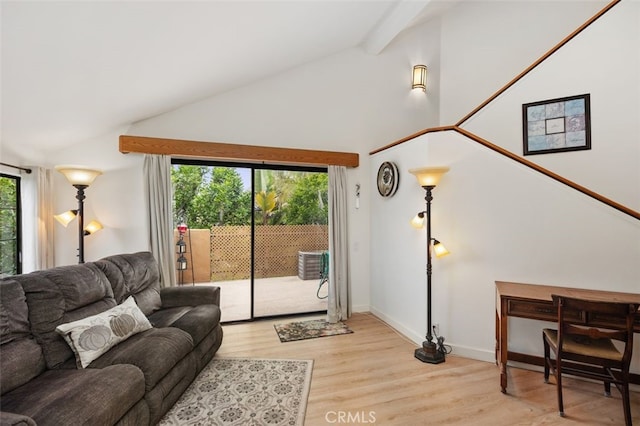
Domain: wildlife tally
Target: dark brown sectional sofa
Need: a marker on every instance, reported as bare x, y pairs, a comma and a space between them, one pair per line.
134, 382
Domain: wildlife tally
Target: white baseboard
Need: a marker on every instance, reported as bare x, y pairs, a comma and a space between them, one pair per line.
361, 308
400, 328
463, 351
459, 350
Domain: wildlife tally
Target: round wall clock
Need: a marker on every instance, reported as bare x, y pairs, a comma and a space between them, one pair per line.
388, 178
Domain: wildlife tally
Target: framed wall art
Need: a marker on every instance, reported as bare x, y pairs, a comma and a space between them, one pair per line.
557, 125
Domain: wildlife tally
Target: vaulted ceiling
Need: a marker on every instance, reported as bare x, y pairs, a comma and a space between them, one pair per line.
74, 70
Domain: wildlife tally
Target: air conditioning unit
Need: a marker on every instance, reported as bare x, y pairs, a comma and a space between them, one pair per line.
309, 265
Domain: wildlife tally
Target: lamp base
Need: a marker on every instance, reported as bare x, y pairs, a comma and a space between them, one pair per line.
429, 353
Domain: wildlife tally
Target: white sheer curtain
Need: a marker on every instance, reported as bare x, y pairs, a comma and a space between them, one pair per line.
159, 197
338, 302
37, 219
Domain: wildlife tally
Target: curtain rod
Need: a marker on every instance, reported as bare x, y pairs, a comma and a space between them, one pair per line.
16, 167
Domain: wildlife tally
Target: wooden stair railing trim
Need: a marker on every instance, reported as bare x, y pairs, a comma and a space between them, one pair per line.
548, 173
178, 148
508, 85
543, 58
456, 127
413, 136
534, 166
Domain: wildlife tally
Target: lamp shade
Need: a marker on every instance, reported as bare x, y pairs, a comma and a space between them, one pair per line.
418, 221
66, 217
439, 249
429, 176
92, 227
419, 77
79, 175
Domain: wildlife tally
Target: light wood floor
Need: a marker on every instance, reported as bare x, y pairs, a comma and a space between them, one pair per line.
371, 377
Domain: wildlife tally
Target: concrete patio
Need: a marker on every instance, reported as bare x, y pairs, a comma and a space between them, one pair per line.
273, 296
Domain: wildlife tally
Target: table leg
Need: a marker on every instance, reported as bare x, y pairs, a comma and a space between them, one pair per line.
503, 344
497, 348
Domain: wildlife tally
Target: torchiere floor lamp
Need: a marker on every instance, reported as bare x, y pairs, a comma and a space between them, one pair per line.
428, 178
80, 178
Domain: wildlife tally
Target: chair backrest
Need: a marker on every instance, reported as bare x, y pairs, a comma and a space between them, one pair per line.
618, 317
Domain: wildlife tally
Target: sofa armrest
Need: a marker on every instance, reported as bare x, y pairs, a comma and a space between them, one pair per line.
13, 419
189, 296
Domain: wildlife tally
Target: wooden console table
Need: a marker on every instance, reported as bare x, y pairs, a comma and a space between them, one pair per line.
534, 302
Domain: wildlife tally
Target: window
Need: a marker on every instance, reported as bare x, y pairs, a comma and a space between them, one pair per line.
10, 241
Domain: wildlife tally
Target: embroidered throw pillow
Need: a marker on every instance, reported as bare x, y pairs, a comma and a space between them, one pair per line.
92, 336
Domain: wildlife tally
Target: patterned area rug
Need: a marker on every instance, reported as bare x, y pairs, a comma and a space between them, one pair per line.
309, 330
235, 391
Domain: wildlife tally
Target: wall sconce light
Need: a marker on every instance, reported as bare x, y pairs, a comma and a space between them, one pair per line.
428, 178
419, 80
80, 177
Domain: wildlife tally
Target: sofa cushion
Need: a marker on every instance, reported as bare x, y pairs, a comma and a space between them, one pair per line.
21, 358
76, 397
198, 321
134, 274
190, 296
167, 391
155, 351
60, 295
92, 336
14, 316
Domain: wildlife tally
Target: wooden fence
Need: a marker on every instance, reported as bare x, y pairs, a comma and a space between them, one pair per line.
224, 252
276, 247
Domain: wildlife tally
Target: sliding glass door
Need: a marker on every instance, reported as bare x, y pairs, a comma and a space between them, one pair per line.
214, 203
258, 233
290, 237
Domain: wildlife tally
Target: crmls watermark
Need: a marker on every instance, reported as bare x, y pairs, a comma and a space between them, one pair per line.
358, 417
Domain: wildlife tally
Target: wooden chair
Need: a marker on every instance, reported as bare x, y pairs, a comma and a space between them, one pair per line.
591, 349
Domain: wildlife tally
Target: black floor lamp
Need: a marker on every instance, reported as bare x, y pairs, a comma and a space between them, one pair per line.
80, 178
428, 178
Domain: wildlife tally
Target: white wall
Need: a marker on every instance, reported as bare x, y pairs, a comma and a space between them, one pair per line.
115, 199
356, 102
485, 44
351, 101
503, 221
612, 166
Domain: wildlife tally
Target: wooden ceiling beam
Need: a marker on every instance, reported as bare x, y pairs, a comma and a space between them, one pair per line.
186, 149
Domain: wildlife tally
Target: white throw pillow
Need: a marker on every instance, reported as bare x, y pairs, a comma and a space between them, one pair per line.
92, 336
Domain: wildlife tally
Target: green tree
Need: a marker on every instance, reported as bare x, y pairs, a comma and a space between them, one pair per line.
266, 203
208, 196
222, 201
187, 182
8, 226
309, 204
